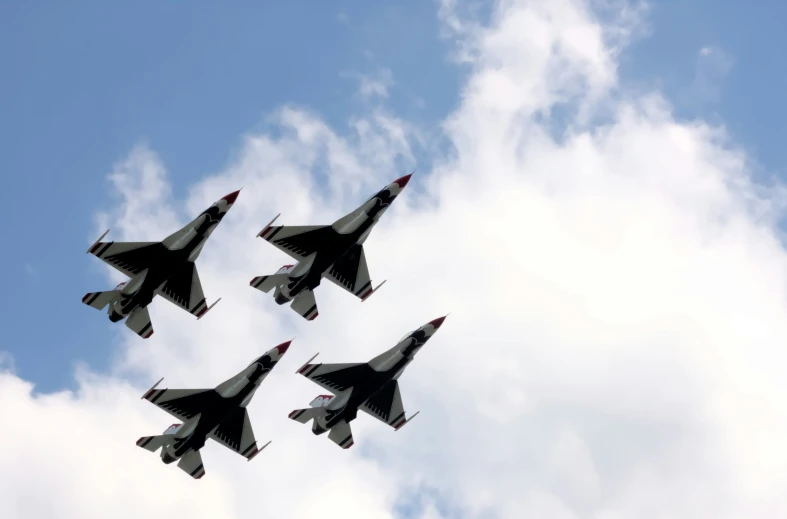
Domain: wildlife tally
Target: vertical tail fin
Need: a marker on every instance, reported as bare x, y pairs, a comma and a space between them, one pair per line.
321, 401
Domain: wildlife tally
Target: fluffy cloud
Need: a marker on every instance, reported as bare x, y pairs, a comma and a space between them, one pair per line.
713, 65
616, 289
370, 86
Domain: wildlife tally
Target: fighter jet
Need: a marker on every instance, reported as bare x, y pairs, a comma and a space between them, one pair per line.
219, 414
332, 251
158, 268
370, 386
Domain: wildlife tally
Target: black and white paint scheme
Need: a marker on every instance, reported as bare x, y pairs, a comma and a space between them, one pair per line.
371, 386
163, 268
219, 414
334, 252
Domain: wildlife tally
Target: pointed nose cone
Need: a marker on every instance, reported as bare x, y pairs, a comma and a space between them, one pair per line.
282, 348
403, 181
230, 199
438, 322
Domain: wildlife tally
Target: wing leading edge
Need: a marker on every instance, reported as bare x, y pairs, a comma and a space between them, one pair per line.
183, 404
336, 377
351, 273
236, 433
386, 405
184, 289
298, 242
130, 258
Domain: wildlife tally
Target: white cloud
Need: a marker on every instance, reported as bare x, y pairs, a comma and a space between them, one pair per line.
713, 66
7, 363
372, 86
615, 343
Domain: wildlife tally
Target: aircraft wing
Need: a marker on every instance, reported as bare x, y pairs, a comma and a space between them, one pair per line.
184, 289
236, 434
299, 242
351, 273
386, 405
183, 403
336, 377
130, 258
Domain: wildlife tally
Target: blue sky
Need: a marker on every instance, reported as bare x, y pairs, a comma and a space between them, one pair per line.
83, 82
751, 94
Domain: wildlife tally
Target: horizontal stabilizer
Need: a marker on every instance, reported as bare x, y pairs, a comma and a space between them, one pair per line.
305, 305
99, 300
139, 322
154, 443
266, 283
304, 415
191, 464
342, 435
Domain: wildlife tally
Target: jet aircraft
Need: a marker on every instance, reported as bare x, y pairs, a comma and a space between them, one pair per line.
334, 252
371, 386
218, 413
158, 268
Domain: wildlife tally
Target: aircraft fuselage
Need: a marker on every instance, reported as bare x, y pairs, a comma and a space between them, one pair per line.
323, 260
392, 367
230, 395
333, 249
360, 393
170, 260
